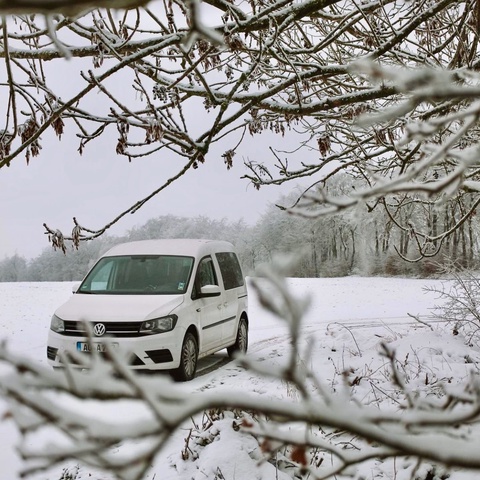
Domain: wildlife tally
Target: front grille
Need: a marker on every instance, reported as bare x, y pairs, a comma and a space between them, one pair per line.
113, 329
160, 356
52, 353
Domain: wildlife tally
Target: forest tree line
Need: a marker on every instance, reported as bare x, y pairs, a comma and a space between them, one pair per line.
363, 241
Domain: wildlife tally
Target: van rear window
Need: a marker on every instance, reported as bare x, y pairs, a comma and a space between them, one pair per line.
231, 271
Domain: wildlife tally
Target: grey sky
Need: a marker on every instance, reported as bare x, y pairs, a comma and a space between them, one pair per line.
95, 187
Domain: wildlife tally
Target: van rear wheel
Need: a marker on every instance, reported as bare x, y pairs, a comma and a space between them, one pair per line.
241, 342
188, 359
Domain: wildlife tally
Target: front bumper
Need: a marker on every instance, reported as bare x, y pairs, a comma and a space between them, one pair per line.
152, 352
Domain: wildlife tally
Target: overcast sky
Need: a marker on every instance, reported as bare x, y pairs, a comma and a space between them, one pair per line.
98, 185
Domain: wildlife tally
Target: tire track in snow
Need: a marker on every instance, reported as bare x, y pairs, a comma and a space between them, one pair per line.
266, 344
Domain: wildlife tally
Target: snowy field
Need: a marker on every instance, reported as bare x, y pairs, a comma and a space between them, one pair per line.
347, 320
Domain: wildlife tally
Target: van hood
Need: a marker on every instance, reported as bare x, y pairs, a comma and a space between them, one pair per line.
118, 308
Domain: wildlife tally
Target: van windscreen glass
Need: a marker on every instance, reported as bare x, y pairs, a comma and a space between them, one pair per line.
139, 275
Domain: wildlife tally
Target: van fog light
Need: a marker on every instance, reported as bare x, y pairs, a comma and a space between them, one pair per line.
159, 325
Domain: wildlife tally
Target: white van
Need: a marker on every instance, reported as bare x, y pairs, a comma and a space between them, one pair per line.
165, 302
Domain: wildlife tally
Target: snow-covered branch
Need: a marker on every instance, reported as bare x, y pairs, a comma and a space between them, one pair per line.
383, 91
66, 7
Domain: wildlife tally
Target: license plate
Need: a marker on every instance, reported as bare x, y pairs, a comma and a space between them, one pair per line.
97, 347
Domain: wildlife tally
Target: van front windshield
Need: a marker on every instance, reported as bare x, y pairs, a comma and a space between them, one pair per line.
139, 275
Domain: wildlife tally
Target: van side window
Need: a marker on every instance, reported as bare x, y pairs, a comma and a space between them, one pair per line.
205, 276
231, 270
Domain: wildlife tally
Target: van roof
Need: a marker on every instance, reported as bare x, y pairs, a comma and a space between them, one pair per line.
171, 246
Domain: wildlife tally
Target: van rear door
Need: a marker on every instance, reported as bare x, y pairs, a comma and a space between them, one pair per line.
234, 285
209, 309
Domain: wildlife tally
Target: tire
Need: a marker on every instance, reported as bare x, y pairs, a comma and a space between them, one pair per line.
188, 359
241, 342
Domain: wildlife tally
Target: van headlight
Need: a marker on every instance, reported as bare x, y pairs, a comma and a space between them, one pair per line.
159, 325
57, 324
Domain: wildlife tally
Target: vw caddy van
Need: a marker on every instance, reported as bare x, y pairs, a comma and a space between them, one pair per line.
165, 303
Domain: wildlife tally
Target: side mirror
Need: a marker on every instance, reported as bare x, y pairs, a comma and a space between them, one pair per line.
210, 291
75, 287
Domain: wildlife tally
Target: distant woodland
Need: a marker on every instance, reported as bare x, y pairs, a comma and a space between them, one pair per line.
361, 241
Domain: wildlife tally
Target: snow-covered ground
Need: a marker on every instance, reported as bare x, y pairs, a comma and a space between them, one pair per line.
347, 320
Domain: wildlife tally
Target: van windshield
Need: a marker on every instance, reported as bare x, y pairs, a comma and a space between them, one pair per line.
139, 275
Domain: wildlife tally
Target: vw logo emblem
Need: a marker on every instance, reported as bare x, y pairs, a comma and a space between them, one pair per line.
99, 329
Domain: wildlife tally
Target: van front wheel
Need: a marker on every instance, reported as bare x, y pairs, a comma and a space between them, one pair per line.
188, 359
241, 342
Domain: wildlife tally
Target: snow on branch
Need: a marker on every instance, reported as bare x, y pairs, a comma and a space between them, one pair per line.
383, 92
66, 7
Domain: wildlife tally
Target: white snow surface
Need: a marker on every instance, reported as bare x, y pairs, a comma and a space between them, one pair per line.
347, 320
